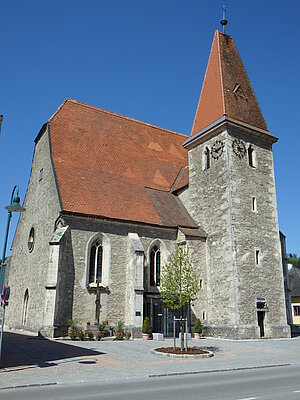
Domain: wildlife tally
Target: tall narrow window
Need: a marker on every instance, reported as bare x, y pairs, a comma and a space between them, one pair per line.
206, 158
31, 240
96, 256
254, 204
155, 266
25, 307
296, 311
257, 257
251, 156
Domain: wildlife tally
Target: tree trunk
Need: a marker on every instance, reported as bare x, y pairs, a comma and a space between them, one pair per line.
182, 330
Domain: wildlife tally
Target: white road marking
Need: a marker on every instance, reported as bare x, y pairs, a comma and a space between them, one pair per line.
296, 391
249, 398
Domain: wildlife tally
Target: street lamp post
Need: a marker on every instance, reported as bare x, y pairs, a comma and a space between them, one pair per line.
16, 207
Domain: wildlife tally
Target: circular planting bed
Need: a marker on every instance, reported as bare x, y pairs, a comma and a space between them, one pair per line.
191, 352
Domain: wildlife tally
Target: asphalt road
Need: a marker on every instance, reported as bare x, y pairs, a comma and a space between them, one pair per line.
278, 383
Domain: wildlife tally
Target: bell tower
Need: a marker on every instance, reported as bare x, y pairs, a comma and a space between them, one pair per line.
232, 196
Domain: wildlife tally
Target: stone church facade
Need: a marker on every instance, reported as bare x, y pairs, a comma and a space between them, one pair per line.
110, 197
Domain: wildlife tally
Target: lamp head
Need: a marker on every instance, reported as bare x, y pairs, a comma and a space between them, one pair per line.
15, 205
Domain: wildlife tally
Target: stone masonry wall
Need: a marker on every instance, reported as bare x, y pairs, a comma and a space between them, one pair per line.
257, 230
221, 202
211, 208
113, 303
28, 270
197, 250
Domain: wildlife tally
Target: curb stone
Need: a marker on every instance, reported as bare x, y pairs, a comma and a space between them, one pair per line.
218, 370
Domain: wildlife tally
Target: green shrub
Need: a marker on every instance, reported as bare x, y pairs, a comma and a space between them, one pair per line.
72, 324
101, 326
198, 326
146, 328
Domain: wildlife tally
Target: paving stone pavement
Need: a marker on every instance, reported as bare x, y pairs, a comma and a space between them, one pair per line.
32, 360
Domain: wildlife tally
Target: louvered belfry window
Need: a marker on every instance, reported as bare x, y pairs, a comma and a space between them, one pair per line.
96, 258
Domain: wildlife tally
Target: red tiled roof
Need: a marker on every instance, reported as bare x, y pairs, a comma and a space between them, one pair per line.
226, 89
104, 162
182, 180
170, 209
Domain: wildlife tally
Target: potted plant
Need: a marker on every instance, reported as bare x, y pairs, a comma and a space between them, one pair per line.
197, 329
81, 334
101, 327
120, 330
89, 334
127, 334
146, 329
72, 329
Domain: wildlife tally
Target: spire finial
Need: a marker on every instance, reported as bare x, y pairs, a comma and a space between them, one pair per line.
224, 20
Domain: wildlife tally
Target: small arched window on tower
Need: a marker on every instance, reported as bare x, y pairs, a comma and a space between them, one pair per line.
251, 157
95, 265
206, 158
155, 262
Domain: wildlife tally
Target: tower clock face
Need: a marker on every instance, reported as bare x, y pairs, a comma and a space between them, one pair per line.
239, 148
217, 149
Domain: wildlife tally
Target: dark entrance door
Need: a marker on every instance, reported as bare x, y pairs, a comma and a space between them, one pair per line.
157, 316
162, 318
260, 318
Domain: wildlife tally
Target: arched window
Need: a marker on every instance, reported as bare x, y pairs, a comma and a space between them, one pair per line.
155, 262
95, 263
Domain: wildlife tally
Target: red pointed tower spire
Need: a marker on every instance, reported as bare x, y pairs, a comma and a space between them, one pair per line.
226, 89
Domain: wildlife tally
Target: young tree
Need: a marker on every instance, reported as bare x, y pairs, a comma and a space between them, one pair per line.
294, 260
179, 283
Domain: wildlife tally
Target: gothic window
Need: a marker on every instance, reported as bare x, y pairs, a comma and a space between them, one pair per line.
206, 158
155, 262
95, 262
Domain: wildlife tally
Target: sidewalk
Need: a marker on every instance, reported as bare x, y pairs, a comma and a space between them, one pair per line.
29, 360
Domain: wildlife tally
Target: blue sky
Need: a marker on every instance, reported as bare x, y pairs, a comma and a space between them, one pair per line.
146, 60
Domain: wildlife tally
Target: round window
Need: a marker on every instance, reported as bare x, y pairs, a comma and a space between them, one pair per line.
31, 240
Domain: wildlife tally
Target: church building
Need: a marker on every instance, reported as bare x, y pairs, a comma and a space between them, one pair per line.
110, 197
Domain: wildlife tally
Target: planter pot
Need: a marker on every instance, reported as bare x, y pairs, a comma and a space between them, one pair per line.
196, 336
100, 335
145, 336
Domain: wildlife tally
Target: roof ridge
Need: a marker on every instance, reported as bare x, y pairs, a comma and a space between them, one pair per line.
59, 108
221, 73
181, 171
201, 90
115, 114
